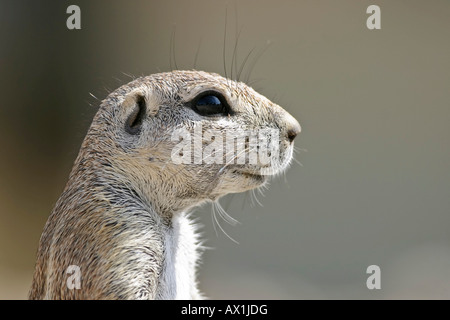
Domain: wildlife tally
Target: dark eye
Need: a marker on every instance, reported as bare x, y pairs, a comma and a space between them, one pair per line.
210, 104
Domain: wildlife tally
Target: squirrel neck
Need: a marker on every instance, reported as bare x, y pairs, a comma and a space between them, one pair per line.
123, 246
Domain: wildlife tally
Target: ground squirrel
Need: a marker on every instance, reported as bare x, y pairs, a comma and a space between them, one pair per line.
123, 217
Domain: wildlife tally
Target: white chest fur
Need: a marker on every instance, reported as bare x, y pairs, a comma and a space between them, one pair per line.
178, 279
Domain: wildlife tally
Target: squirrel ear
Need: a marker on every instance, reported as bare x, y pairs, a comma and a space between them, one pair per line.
134, 121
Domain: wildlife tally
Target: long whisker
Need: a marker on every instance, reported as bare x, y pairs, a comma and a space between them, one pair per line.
218, 224
261, 190
196, 53
230, 197
224, 215
297, 150
296, 161
214, 219
256, 198
241, 68
237, 34
234, 57
172, 49
255, 60
225, 44
250, 83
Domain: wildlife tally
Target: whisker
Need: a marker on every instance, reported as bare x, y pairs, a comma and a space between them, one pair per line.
252, 82
247, 194
261, 191
92, 95
196, 53
234, 56
285, 177
297, 149
214, 219
224, 43
255, 60
256, 198
128, 75
296, 161
224, 232
172, 46
241, 68
170, 51
237, 33
230, 197
224, 215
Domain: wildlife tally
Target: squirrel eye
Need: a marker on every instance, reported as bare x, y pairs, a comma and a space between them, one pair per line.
210, 104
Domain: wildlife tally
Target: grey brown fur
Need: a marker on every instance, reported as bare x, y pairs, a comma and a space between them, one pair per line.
123, 212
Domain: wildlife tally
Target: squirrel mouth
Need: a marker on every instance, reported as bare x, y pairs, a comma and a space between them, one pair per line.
251, 175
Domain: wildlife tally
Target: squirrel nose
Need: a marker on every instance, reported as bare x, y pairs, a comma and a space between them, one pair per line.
293, 129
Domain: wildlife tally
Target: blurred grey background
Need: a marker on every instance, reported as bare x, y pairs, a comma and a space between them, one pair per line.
374, 106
